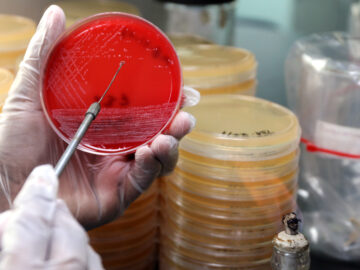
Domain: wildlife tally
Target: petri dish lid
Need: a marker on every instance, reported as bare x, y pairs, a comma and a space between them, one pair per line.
141, 102
6, 79
241, 128
181, 39
210, 65
15, 32
76, 10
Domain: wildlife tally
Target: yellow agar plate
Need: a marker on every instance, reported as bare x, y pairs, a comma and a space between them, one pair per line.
15, 32
180, 40
76, 10
211, 66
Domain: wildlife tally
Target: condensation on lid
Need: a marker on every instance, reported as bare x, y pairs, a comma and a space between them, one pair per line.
234, 127
76, 10
15, 32
6, 79
208, 66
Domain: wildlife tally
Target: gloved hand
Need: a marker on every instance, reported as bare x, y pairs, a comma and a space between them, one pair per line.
39, 232
96, 188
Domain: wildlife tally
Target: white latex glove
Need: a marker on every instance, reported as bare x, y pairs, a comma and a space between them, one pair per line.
39, 232
97, 189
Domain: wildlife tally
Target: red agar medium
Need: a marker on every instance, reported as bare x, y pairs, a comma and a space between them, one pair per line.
142, 100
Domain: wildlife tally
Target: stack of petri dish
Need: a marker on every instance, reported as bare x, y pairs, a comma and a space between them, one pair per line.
216, 69
6, 79
80, 9
15, 34
130, 242
235, 179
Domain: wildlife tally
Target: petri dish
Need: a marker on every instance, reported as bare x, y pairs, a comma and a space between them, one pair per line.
141, 102
219, 251
182, 39
187, 260
242, 128
175, 262
257, 173
186, 201
212, 220
6, 79
113, 245
228, 190
80, 9
112, 229
236, 198
247, 88
239, 235
218, 230
15, 34
209, 239
138, 259
213, 68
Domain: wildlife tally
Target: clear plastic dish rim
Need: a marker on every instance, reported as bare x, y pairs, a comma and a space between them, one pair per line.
67, 32
200, 233
248, 58
180, 220
181, 259
219, 252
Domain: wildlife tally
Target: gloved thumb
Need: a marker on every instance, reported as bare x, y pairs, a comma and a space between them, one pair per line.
24, 93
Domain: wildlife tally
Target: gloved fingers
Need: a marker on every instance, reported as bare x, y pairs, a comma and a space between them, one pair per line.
94, 260
4, 217
29, 226
150, 162
40, 187
191, 97
68, 248
154, 161
182, 124
145, 168
26, 84
165, 149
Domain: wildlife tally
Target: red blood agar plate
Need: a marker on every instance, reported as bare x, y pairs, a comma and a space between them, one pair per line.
141, 102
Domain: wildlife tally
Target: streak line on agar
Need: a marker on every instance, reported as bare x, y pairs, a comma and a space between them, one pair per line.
70, 81
115, 125
80, 73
